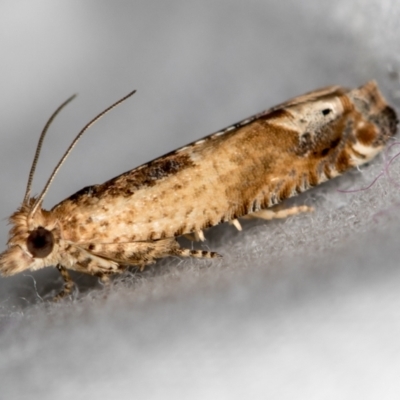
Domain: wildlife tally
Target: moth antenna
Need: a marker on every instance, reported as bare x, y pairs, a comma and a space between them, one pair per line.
40, 198
39, 147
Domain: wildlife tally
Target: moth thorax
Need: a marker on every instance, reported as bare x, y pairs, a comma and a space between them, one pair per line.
40, 242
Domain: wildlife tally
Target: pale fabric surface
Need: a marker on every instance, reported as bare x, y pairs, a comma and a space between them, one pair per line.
302, 308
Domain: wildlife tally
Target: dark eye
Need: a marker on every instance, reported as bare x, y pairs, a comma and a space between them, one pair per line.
40, 242
326, 111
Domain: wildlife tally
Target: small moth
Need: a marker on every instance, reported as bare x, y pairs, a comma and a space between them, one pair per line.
243, 170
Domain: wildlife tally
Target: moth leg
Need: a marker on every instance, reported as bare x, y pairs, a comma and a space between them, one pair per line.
68, 283
141, 267
104, 278
272, 213
194, 253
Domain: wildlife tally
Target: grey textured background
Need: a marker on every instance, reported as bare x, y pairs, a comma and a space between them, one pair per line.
302, 308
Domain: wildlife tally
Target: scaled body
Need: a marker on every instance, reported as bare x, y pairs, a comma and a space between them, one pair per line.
250, 166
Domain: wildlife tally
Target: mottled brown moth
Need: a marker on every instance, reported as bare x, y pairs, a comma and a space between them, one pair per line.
243, 170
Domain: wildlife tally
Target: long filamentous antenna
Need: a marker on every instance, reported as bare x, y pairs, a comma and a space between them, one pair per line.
39, 148
72, 145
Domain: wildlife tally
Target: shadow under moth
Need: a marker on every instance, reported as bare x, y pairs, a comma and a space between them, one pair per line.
243, 170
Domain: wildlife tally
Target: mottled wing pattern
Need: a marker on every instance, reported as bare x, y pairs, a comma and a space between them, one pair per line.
245, 169
242, 169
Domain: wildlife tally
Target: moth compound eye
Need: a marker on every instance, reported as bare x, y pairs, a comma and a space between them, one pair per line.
326, 111
40, 242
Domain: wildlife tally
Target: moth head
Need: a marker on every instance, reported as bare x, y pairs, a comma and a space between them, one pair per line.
33, 242
35, 238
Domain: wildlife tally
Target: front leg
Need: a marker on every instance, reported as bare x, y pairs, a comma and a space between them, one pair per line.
68, 283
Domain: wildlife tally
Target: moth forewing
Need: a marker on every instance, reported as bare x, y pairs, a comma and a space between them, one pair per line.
245, 169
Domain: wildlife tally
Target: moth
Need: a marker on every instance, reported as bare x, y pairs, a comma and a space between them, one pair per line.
243, 170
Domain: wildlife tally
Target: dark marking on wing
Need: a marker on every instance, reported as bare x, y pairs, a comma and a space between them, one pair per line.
127, 183
88, 191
